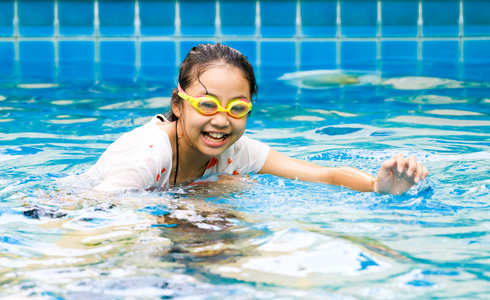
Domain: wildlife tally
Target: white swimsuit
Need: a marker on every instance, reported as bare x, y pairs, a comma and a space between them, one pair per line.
142, 159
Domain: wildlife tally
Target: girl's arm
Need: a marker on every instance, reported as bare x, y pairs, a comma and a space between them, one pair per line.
396, 175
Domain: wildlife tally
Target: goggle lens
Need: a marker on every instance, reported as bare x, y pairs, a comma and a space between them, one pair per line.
208, 106
236, 108
239, 109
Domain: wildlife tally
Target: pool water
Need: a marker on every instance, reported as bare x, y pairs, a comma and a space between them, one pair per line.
258, 236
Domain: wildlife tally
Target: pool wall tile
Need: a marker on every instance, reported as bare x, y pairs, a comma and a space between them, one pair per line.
116, 18
395, 50
318, 18
359, 18
157, 17
477, 51
198, 18
36, 51
476, 16
36, 17
76, 17
129, 38
440, 50
443, 56
358, 55
440, 18
446, 69
117, 59
158, 59
399, 18
238, 17
7, 59
37, 59
278, 18
277, 58
6, 18
278, 53
397, 68
76, 59
399, 57
318, 55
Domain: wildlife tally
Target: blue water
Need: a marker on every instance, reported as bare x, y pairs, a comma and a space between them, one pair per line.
257, 237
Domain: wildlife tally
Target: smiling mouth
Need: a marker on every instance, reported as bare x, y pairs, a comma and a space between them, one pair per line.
215, 136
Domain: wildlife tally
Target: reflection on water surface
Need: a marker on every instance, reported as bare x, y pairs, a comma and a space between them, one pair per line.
257, 237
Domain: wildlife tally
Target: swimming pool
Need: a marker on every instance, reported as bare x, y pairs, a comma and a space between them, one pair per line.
66, 94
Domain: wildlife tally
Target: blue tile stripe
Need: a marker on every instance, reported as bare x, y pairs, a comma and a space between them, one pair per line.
341, 27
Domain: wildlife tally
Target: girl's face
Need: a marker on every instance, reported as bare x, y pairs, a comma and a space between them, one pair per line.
212, 135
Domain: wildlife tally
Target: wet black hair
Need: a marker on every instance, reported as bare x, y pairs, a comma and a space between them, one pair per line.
204, 56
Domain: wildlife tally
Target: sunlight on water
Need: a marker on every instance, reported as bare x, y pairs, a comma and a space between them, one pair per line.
440, 121
156, 102
37, 85
258, 236
324, 79
453, 112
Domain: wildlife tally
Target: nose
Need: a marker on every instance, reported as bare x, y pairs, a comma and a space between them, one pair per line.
220, 120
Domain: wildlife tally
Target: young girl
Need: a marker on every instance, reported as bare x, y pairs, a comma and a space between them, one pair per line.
203, 134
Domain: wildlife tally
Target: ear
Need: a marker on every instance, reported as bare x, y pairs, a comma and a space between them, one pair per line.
176, 105
176, 109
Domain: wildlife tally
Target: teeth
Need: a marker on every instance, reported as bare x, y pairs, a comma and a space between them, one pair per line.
216, 135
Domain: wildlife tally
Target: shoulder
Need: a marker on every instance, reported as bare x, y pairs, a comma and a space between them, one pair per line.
142, 140
146, 136
249, 144
135, 159
151, 130
244, 157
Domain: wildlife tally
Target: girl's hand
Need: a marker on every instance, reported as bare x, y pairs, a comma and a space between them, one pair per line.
398, 174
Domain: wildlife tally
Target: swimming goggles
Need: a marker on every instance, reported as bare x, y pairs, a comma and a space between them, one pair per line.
210, 105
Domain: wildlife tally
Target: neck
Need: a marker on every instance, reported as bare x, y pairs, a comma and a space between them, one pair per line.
190, 162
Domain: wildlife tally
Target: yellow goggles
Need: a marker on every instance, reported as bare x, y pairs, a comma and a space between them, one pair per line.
209, 105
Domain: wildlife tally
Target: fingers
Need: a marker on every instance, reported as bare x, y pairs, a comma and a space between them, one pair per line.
389, 164
419, 173
412, 165
425, 173
398, 174
387, 167
400, 162
410, 168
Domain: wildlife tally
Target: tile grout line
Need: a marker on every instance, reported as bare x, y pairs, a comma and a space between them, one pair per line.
217, 22
420, 23
258, 39
338, 36
178, 34
298, 35
379, 21
298, 41
137, 33
461, 41
16, 39
461, 32
56, 25
96, 41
